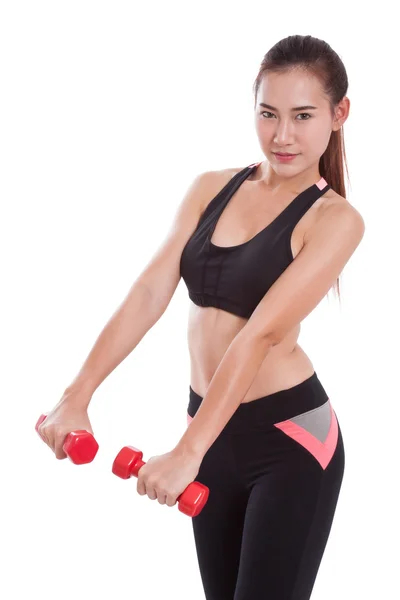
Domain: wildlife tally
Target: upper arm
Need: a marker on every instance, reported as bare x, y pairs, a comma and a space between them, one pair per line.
310, 275
162, 274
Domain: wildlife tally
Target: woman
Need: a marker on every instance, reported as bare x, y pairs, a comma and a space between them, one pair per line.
258, 248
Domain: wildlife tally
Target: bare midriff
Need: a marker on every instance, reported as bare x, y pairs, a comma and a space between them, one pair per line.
210, 333
211, 330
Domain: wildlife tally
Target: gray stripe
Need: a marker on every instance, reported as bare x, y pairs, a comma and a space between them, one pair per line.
316, 421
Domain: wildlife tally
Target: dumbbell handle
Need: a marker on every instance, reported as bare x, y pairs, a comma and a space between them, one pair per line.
191, 501
80, 445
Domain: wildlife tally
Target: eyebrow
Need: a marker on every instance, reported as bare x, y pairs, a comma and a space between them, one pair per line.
293, 109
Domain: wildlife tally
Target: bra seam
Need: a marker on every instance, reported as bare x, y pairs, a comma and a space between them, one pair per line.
217, 297
218, 276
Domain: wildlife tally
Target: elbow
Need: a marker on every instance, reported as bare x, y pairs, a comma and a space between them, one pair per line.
273, 338
266, 337
258, 339
269, 339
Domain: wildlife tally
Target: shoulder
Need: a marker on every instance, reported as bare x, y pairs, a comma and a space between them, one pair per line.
332, 198
337, 214
212, 182
337, 205
222, 176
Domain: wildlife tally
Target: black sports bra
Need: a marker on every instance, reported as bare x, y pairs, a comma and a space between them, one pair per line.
235, 278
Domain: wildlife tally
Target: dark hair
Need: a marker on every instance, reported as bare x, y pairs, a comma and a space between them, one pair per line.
315, 57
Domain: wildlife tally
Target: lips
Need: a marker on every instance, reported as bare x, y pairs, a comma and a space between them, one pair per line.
284, 154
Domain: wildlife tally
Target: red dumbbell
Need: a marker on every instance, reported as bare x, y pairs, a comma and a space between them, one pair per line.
192, 500
80, 445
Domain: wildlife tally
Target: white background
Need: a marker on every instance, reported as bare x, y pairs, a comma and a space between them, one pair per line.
108, 111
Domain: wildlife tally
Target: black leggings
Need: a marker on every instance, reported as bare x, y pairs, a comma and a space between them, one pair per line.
274, 474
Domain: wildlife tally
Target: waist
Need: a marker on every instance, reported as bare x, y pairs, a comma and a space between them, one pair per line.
264, 412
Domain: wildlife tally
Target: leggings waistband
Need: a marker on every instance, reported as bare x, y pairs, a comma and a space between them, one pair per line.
272, 408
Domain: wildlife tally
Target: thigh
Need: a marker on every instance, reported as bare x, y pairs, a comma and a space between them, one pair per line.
288, 519
218, 528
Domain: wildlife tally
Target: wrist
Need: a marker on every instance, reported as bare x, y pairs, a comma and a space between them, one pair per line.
186, 448
81, 386
77, 395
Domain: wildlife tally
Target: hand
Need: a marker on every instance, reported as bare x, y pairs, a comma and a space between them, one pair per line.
69, 414
166, 476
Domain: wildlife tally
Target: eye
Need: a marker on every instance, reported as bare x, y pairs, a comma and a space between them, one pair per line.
269, 113
265, 112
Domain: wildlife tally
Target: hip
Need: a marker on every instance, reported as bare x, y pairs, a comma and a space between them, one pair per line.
292, 423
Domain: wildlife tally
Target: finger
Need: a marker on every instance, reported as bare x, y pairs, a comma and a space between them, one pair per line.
141, 487
171, 500
58, 447
151, 492
43, 435
162, 497
41, 432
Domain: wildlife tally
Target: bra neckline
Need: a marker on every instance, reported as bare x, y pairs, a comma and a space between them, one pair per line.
319, 184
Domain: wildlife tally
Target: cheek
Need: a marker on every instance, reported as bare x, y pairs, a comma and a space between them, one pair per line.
318, 133
316, 143
263, 127
323, 144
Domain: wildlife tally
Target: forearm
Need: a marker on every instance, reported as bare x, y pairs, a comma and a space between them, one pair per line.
122, 333
229, 385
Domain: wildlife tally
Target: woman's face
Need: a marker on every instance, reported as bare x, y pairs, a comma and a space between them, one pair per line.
305, 132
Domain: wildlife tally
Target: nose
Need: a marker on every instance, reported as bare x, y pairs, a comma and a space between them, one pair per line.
283, 134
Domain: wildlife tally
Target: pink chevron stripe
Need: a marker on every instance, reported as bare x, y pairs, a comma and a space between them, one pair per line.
321, 183
322, 451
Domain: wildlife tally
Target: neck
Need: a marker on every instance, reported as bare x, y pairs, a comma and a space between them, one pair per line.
274, 181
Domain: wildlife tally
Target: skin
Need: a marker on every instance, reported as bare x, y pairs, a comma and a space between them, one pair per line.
255, 204
236, 360
233, 359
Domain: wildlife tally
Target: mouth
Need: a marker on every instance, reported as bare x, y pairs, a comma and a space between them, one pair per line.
284, 157
284, 154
